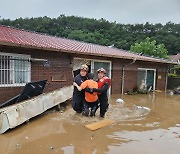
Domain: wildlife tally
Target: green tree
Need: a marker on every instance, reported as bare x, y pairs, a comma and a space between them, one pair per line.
149, 47
102, 31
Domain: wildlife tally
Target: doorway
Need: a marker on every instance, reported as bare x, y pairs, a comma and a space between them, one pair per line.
93, 65
148, 75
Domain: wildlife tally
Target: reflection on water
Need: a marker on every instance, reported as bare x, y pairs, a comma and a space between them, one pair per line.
133, 130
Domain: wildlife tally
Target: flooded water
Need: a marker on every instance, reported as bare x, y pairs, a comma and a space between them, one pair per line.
142, 124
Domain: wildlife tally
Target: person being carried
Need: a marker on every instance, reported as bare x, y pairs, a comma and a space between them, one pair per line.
91, 99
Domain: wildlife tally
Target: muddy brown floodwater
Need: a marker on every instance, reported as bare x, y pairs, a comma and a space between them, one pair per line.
154, 129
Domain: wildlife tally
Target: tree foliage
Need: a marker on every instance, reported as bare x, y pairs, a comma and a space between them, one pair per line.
149, 47
102, 31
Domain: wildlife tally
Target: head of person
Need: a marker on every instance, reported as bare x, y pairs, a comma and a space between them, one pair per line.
83, 70
101, 73
90, 75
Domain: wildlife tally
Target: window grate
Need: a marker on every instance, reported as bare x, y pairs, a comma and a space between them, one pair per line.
14, 69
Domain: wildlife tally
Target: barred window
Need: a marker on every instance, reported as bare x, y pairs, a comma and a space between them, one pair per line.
14, 69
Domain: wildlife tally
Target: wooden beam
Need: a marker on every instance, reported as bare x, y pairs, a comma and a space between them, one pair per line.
99, 124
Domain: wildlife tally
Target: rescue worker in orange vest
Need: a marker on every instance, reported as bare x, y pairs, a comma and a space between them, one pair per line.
78, 96
91, 99
103, 84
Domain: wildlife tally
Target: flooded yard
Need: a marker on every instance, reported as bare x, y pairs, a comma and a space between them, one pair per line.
142, 124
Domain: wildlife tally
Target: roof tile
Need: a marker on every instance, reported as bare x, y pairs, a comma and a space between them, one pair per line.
22, 37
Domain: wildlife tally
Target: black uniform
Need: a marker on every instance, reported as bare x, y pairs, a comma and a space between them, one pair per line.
103, 98
78, 96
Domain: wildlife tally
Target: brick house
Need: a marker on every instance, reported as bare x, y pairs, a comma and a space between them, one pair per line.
28, 56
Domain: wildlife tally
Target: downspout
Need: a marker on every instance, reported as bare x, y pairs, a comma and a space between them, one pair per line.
123, 68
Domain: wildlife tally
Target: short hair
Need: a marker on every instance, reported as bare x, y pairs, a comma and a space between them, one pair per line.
90, 75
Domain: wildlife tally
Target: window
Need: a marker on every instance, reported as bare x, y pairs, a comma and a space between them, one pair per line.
14, 69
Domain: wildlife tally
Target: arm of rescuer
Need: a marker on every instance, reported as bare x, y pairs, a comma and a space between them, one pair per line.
82, 86
103, 89
89, 90
76, 85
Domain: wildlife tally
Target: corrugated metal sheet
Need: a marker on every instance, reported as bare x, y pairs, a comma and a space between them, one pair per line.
13, 36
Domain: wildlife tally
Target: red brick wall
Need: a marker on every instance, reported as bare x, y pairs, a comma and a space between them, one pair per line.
116, 76
161, 80
7, 93
130, 74
59, 66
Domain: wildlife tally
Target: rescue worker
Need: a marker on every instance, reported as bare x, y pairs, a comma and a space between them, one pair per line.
91, 100
103, 84
79, 96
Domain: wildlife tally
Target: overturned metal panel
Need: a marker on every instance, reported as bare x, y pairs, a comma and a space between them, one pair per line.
17, 114
30, 90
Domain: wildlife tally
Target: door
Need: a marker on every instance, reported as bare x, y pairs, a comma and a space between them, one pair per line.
148, 75
150, 79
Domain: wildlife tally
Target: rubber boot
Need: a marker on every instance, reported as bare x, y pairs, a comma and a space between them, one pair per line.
102, 115
94, 109
85, 112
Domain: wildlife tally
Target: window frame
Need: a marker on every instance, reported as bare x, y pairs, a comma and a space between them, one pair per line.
151, 69
12, 69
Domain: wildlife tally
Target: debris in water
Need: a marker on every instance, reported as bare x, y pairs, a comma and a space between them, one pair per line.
99, 124
177, 125
171, 93
17, 146
176, 90
51, 148
142, 107
119, 100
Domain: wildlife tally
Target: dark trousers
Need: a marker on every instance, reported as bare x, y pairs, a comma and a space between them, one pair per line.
93, 107
103, 105
77, 104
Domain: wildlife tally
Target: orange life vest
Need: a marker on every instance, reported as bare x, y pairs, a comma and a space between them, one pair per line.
102, 81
